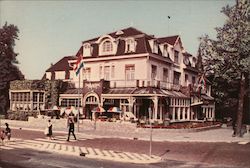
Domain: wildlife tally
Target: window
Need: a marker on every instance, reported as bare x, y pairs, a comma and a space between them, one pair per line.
112, 71
130, 72
165, 75
87, 49
87, 72
155, 47
35, 95
186, 79
193, 79
176, 56
100, 72
70, 102
165, 51
107, 72
67, 74
91, 100
154, 72
130, 45
176, 78
107, 46
41, 95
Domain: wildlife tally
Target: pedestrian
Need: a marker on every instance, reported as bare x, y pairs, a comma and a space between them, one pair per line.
2, 135
71, 126
7, 131
49, 128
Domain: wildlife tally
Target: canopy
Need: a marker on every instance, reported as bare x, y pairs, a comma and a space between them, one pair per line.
115, 110
99, 110
68, 110
74, 110
55, 108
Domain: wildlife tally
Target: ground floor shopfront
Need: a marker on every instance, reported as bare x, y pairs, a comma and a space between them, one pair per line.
144, 105
140, 104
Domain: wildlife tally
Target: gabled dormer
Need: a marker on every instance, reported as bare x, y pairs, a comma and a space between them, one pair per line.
154, 46
87, 50
164, 49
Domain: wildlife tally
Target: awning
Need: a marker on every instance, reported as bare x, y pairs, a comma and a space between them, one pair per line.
98, 110
196, 103
206, 97
55, 108
114, 110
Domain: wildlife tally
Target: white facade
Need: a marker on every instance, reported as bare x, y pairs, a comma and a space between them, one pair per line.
132, 59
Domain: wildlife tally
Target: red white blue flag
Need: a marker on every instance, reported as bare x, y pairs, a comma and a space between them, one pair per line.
78, 65
202, 82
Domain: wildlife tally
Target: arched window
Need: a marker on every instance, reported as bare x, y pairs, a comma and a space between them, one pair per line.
107, 46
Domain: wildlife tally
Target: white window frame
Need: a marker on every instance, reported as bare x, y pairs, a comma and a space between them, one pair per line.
130, 72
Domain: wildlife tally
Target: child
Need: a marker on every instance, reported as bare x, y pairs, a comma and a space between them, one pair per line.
2, 135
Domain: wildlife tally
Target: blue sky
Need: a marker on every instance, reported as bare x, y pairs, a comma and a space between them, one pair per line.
50, 30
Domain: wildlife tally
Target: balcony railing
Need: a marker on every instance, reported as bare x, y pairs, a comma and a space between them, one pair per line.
144, 83
137, 83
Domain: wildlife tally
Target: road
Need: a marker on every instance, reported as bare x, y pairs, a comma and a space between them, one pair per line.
173, 154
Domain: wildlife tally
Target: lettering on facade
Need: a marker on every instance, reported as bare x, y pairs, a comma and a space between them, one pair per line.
92, 85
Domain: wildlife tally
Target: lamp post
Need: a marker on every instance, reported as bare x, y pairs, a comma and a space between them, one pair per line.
151, 131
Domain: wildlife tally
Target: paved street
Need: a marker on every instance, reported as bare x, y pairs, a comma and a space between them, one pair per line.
125, 150
25, 158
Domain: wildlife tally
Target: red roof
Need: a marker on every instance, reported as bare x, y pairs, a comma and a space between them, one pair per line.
62, 65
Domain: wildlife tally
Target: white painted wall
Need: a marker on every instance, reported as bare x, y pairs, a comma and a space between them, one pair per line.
48, 75
60, 75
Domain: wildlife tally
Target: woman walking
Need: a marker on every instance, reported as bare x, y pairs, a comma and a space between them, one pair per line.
49, 127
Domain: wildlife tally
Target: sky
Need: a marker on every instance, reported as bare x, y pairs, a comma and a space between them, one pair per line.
50, 30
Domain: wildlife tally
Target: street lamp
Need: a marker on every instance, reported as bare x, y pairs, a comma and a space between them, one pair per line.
151, 131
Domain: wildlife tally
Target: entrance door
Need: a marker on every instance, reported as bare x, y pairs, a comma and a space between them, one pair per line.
90, 103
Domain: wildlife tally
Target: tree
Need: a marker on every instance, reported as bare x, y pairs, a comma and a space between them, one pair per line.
227, 57
8, 61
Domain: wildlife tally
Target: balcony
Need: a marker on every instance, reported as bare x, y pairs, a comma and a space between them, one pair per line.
144, 83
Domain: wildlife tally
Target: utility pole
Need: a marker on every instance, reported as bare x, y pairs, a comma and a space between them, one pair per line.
151, 131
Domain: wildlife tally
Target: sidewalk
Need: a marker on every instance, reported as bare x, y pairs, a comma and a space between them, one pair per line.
129, 131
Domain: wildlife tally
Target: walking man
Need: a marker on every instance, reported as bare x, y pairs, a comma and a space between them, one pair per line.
7, 131
71, 126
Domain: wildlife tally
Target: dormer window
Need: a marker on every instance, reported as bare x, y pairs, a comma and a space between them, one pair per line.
165, 50
130, 45
119, 32
86, 50
107, 47
155, 47
176, 57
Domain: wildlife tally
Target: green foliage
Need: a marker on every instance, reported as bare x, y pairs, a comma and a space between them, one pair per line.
8, 69
226, 58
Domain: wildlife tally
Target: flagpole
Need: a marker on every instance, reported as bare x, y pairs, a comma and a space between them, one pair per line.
78, 104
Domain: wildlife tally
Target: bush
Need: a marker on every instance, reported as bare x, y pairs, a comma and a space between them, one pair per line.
19, 115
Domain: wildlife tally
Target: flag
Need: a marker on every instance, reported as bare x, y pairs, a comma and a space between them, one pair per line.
202, 82
78, 65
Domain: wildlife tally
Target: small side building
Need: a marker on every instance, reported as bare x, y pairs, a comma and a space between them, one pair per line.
34, 95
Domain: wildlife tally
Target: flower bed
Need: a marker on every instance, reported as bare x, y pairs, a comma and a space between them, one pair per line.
182, 125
